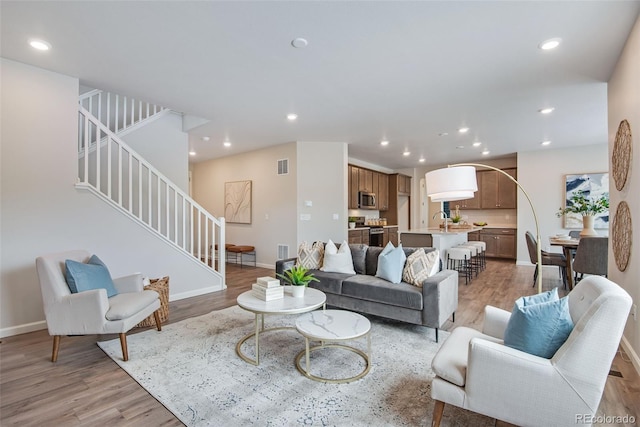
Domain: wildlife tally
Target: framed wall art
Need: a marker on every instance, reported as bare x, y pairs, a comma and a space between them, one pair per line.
593, 185
237, 202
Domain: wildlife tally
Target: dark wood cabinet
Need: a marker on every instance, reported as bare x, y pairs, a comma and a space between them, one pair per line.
501, 242
473, 203
385, 237
353, 187
393, 235
365, 177
404, 184
359, 237
383, 192
498, 191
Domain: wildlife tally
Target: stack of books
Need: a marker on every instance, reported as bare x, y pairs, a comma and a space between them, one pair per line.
267, 289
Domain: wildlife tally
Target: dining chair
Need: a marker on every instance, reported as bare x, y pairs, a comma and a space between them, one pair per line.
548, 258
592, 257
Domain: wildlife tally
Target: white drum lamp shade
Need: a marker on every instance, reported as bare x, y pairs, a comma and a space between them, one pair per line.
452, 183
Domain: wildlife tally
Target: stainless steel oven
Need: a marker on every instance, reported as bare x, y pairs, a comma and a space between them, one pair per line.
376, 236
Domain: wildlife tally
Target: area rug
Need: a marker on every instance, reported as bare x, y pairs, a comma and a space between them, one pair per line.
192, 369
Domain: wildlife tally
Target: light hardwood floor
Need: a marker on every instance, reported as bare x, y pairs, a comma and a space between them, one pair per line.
86, 388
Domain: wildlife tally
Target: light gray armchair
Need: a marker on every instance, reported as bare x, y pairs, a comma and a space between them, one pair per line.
91, 312
476, 371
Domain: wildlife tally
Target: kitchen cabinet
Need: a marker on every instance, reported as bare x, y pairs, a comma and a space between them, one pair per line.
365, 180
473, 203
385, 237
383, 192
393, 235
404, 184
359, 236
353, 187
474, 236
501, 242
498, 191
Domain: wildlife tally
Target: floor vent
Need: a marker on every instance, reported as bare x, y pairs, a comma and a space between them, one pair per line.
615, 373
283, 167
283, 251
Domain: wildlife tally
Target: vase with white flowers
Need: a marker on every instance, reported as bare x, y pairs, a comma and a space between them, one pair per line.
588, 207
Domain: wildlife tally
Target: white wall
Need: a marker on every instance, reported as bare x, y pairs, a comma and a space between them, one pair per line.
624, 103
322, 180
163, 144
273, 198
43, 212
542, 174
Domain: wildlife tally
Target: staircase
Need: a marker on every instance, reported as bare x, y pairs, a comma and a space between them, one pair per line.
112, 170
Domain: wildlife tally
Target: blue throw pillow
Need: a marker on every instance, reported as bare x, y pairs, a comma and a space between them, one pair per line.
92, 275
551, 295
391, 263
539, 329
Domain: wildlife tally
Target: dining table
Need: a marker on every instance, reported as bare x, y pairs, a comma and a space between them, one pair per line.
569, 245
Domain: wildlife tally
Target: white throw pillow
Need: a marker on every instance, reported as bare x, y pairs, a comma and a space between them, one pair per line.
337, 261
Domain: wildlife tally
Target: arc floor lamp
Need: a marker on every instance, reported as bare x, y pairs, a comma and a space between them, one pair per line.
458, 182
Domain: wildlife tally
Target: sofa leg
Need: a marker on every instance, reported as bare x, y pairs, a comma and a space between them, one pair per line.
453, 316
156, 316
436, 334
438, 410
123, 344
56, 347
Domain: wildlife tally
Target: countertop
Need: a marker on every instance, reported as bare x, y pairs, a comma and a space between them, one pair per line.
438, 230
368, 227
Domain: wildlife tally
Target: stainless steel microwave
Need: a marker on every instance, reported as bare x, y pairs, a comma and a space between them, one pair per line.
366, 200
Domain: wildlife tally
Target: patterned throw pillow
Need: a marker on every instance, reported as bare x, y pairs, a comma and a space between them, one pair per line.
310, 256
419, 266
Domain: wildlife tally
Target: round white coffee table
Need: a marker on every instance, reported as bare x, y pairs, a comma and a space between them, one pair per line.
311, 300
333, 326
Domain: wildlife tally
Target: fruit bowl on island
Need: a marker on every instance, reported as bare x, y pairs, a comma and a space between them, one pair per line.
480, 224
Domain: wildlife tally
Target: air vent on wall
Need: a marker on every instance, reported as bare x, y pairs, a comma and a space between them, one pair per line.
283, 167
283, 251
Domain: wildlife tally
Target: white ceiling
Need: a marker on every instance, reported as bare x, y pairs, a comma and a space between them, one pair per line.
396, 70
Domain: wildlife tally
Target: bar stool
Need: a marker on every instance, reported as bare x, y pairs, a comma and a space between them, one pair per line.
474, 261
459, 259
483, 251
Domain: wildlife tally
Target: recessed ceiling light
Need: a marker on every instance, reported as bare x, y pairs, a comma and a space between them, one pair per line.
463, 130
384, 142
477, 144
292, 116
40, 44
192, 153
547, 110
547, 142
485, 152
205, 138
443, 134
226, 144
299, 43
460, 147
550, 44
422, 160
406, 153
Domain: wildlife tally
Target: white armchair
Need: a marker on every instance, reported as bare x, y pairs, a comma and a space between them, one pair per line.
91, 312
476, 371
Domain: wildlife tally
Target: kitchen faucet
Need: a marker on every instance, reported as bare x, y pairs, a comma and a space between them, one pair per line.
446, 219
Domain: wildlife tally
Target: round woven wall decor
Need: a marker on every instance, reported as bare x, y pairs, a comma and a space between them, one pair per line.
621, 235
621, 157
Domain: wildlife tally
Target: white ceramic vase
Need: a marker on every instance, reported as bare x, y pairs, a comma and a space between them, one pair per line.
297, 291
587, 226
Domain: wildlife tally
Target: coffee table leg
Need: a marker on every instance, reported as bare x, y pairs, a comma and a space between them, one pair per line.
369, 345
258, 336
306, 341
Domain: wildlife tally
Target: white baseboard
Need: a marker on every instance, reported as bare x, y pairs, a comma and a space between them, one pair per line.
195, 293
23, 329
635, 360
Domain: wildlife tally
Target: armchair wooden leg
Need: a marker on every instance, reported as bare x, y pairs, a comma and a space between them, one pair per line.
123, 344
156, 315
438, 410
56, 347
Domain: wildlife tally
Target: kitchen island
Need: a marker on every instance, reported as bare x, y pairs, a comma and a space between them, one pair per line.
437, 238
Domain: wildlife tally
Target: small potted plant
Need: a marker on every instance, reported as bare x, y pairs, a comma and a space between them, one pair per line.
455, 218
588, 207
352, 222
298, 277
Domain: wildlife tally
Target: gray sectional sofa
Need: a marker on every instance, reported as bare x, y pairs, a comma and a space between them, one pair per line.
430, 305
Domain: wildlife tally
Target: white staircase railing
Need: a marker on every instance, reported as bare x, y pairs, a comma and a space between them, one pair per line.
120, 114
114, 171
